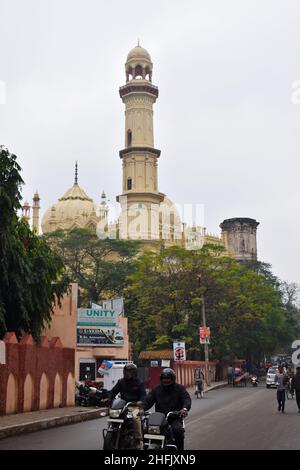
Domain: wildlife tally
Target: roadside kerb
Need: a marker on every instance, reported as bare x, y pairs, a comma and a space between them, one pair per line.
46, 423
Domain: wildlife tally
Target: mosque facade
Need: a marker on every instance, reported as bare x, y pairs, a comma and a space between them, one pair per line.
145, 213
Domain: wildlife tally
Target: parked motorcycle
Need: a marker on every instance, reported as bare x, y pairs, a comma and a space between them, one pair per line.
119, 433
254, 380
90, 396
158, 433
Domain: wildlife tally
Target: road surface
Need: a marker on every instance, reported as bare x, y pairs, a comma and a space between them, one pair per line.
239, 418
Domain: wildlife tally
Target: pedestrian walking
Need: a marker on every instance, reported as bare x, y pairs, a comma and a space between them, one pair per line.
296, 386
230, 374
281, 381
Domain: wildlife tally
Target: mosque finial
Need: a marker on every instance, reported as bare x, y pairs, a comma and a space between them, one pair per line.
138, 42
76, 173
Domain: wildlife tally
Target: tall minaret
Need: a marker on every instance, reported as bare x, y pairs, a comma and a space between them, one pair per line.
103, 212
36, 213
140, 198
26, 211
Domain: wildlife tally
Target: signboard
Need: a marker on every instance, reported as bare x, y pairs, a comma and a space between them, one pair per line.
165, 363
153, 363
204, 332
99, 336
296, 354
105, 367
179, 351
204, 340
96, 317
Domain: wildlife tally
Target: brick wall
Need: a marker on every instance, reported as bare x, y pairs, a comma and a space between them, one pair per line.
36, 376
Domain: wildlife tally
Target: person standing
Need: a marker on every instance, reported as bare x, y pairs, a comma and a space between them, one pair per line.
230, 374
199, 380
296, 386
281, 380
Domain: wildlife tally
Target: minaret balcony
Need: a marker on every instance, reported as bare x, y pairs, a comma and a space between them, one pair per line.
128, 150
138, 86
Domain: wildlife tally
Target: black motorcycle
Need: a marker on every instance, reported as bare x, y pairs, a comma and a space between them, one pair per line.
158, 433
119, 433
91, 396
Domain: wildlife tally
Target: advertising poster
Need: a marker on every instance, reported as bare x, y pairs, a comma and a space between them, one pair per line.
99, 336
179, 351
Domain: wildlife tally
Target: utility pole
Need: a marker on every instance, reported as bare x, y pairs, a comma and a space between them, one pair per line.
205, 345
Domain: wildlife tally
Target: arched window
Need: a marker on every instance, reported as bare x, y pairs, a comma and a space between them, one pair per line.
129, 183
138, 71
129, 138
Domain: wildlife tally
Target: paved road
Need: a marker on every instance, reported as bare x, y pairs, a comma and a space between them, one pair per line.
240, 418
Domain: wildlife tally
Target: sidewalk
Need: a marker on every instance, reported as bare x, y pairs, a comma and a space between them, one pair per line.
20, 423
11, 425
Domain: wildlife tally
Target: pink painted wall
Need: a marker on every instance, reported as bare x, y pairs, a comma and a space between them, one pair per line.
27, 380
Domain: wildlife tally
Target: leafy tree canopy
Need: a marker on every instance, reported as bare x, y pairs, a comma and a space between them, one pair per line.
31, 275
165, 296
100, 267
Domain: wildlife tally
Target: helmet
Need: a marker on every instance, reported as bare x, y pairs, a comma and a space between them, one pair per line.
167, 377
130, 371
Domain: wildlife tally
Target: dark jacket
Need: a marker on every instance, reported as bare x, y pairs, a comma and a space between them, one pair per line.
130, 390
171, 398
296, 382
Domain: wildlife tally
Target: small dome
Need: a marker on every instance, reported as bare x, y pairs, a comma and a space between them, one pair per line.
74, 209
138, 53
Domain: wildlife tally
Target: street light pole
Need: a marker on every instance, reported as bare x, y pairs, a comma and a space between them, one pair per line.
205, 345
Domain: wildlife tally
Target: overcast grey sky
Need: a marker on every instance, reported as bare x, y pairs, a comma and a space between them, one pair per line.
225, 119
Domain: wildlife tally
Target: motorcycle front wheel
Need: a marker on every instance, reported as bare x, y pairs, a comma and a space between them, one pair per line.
109, 441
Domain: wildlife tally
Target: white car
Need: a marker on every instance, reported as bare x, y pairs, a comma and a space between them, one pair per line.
270, 380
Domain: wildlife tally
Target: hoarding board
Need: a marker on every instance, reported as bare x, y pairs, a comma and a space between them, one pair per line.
96, 317
99, 336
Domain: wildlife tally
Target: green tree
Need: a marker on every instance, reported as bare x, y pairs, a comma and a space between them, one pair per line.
289, 300
165, 299
31, 275
100, 267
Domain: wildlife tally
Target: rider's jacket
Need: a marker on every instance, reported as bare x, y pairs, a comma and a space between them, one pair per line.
166, 399
130, 390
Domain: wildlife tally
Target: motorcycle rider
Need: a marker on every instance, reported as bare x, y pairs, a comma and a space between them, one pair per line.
131, 389
170, 396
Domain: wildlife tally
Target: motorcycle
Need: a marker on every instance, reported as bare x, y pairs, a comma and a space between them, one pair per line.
199, 392
158, 433
254, 380
119, 433
90, 396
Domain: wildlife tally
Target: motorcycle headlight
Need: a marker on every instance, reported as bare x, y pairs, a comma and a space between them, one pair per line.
154, 429
114, 413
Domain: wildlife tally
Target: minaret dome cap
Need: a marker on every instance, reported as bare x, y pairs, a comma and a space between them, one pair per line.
138, 53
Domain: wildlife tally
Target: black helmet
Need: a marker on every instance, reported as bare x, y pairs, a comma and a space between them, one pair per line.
130, 371
167, 377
